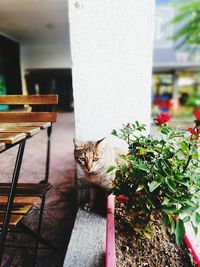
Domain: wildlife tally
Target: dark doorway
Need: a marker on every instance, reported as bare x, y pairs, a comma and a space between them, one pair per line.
10, 66
51, 81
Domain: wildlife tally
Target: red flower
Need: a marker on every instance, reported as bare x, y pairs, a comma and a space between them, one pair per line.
195, 135
197, 114
122, 198
162, 118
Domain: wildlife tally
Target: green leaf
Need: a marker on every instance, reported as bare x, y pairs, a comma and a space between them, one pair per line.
175, 134
151, 202
167, 163
114, 132
153, 185
183, 145
170, 210
188, 202
197, 218
160, 168
180, 179
159, 175
111, 168
168, 171
186, 219
166, 202
131, 158
172, 224
179, 231
180, 155
171, 185
125, 168
164, 130
186, 209
123, 157
142, 167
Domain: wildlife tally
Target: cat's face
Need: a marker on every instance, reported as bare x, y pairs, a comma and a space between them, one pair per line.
89, 155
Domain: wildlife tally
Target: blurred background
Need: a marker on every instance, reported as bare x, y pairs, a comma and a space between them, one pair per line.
35, 56
176, 58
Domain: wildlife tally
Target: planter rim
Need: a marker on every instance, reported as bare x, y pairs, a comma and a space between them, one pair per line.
192, 242
190, 239
110, 233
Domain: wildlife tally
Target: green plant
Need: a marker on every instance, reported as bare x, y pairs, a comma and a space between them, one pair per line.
160, 174
188, 19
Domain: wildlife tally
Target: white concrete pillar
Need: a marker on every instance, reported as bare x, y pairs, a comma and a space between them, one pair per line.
111, 45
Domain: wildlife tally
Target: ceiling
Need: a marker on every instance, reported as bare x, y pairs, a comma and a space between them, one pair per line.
35, 21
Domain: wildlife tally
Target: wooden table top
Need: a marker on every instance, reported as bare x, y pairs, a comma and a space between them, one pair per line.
27, 130
12, 132
11, 138
42, 125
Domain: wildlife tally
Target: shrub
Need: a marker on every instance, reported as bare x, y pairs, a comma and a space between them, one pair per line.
160, 174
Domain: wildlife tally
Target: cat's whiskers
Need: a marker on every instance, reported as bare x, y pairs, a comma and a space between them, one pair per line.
97, 171
93, 173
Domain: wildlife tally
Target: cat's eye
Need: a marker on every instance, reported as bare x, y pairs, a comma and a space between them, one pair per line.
95, 159
82, 159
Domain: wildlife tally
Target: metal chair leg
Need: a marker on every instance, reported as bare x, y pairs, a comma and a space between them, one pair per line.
11, 195
37, 237
49, 130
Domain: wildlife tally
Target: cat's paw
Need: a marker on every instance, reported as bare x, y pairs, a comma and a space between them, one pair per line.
88, 207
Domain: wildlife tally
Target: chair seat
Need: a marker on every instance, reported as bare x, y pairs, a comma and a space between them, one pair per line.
27, 195
18, 208
14, 219
26, 189
15, 128
21, 207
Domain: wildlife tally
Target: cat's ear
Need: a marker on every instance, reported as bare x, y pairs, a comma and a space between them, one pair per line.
101, 142
78, 143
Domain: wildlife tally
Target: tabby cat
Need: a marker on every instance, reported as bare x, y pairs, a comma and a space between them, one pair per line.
94, 158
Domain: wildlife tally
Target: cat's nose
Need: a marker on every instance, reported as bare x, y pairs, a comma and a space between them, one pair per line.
88, 166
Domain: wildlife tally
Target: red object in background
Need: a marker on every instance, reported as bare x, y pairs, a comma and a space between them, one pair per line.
195, 135
156, 100
122, 198
197, 114
162, 118
164, 104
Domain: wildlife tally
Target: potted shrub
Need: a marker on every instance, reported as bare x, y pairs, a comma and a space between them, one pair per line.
157, 184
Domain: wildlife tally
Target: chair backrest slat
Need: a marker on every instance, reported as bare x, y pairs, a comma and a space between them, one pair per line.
28, 99
27, 116
42, 114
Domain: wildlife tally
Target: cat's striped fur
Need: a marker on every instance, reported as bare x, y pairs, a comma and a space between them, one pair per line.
94, 158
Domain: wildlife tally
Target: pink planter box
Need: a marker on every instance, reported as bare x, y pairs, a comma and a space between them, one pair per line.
110, 233
192, 241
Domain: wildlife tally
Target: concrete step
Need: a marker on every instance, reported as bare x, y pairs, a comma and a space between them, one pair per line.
87, 244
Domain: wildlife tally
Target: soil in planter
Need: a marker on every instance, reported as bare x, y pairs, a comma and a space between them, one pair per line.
136, 250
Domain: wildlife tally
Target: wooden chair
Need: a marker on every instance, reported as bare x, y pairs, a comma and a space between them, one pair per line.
16, 199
